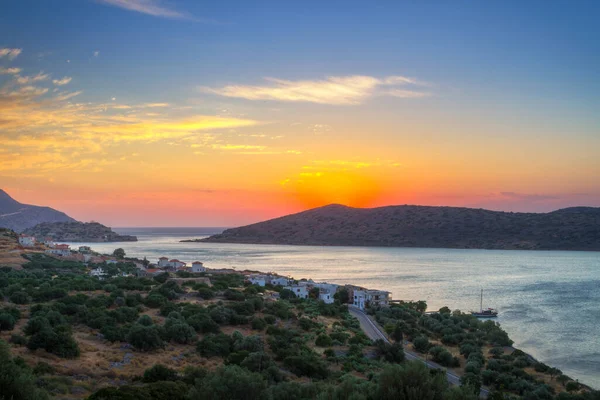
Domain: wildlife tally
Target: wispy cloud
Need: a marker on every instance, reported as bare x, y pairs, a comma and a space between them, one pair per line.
11, 54
96, 53
343, 90
9, 71
62, 96
63, 81
25, 80
150, 7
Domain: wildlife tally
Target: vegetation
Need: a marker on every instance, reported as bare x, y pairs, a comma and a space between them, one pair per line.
232, 340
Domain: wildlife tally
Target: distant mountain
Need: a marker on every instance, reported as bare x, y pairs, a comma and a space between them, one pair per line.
576, 228
77, 232
18, 216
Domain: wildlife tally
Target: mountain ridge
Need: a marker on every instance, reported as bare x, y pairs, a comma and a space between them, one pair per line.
19, 216
573, 228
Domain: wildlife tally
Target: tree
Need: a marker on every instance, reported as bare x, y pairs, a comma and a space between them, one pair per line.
342, 295
161, 278
411, 380
19, 297
181, 332
7, 322
323, 340
144, 338
17, 382
421, 344
230, 382
119, 253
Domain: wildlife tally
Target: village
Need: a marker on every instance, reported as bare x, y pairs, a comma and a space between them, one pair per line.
358, 296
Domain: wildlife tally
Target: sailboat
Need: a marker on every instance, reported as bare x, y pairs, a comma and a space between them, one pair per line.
487, 313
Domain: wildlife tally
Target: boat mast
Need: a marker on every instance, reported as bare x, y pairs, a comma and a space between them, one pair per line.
481, 302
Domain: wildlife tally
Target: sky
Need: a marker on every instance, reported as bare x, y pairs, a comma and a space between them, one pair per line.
187, 113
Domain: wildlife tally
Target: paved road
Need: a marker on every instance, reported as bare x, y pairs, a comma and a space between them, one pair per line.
375, 333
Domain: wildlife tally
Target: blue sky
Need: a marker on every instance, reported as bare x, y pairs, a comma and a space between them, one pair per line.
486, 97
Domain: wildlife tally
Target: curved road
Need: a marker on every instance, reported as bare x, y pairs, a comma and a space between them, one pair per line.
375, 333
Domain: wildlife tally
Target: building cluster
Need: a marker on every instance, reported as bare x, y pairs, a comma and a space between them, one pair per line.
358, 296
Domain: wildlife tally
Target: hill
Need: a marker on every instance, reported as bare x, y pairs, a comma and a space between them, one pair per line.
576, 228
18, 216
78, 232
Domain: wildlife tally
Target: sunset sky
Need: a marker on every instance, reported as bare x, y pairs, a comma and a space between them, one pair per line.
221, 113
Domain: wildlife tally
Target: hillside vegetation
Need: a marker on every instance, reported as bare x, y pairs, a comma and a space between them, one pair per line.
68, 335
78, 232
575, 228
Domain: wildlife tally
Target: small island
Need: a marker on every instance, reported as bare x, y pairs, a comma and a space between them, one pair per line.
575, 228
77, 232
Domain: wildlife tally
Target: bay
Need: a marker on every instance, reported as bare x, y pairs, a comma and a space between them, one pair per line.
549, 301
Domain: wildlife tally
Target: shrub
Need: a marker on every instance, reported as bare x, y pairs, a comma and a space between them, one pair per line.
42, 368
18, 340
144, 338
16, 382
215, 345
19, 297
203, 323
161, 278
56, 341
323, 340
230, 382
181, 332
158, 373
7, 322
258, 323
205, 293
421, 344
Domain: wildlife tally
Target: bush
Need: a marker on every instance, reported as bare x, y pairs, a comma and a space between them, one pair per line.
203, 323
56, 341
421, 344
205, 293
215, 345
230, 382
258, 323
18, 340
144, 338
323, 340
158, 373
17, 383
42, 368
19, 297
161, 278
7, 322
181, 332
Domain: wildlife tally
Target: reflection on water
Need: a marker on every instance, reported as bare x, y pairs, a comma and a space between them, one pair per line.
548, 301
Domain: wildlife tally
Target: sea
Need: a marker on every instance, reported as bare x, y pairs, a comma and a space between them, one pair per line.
548, 301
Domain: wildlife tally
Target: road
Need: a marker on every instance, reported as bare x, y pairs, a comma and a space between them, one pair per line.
374, 333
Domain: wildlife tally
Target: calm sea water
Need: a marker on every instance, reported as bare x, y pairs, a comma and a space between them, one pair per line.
549, 302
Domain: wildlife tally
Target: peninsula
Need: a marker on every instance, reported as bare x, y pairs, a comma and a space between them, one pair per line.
77, 232
576, 228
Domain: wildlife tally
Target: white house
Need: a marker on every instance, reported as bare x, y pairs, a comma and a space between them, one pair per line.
163, 262
174, 264
331, 287
197, 266
300, 291
26, 240
326, 295
259, 280
60, 250
48, 241
98, 272
362, 298
279, 281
